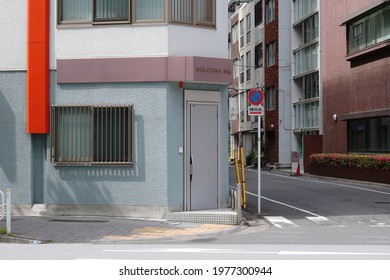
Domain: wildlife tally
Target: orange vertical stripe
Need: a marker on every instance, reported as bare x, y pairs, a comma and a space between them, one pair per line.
38, 80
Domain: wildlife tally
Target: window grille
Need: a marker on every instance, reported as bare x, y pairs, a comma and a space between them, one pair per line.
91, 135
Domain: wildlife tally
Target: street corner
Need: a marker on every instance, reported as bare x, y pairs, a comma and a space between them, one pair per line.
180, 231
252, 223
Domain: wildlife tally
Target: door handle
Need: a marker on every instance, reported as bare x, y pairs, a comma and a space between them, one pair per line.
192, 169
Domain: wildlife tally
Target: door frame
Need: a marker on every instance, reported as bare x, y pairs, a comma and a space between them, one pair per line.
199, 97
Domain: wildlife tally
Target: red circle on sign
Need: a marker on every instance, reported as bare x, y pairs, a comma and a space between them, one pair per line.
256, 97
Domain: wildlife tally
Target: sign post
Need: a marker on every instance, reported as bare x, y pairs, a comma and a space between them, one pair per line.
256, 98
295, 159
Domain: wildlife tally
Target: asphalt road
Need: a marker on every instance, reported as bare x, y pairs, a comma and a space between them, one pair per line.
318, 211
190, 252
306, 218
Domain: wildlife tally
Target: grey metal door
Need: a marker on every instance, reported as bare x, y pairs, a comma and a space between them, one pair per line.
203, 156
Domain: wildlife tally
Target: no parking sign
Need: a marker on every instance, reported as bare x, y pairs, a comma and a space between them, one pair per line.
256, 97
294, 156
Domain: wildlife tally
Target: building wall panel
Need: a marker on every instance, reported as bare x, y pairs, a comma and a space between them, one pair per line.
347, 87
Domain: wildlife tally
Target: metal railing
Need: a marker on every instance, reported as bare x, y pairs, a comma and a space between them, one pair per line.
5, 208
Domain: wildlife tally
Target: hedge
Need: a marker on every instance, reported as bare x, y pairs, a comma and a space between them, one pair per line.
360, 161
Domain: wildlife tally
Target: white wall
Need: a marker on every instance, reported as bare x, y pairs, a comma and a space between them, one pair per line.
202, 41
106, 41
139, 40
13, 35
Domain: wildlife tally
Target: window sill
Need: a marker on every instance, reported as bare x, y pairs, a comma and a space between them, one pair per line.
369, 51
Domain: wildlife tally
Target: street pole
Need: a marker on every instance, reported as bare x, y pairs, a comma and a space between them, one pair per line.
259, 165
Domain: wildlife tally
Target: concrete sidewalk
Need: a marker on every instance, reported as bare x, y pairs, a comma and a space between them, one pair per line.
107, 230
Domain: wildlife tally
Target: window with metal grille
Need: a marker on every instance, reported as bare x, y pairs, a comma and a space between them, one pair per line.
91, 135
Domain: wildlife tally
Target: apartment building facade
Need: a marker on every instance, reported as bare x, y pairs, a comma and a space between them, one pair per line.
272, 64
247, 53
119, 108
356, 45
306, 79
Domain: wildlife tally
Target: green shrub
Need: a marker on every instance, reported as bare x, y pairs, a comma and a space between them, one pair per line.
352, 160
249, 160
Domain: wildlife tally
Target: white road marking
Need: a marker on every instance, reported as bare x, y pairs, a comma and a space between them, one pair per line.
174, 250
380, 225
242, 252
288, 205
332, 253
280, 222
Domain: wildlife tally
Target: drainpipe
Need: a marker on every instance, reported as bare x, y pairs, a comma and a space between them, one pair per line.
38, 80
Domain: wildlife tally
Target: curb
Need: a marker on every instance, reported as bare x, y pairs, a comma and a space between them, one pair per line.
20, 240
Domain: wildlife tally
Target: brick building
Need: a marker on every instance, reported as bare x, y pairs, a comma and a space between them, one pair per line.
277, 87
356, 72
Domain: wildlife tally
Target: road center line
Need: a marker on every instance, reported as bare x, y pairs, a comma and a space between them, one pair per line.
287, 205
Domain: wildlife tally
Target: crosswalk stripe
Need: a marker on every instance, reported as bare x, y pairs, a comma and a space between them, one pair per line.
280, 222
284, 223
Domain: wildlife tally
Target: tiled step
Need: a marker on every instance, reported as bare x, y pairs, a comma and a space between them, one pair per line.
219, 216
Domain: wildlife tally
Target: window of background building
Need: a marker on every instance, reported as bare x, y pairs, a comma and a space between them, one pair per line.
259, 55
306, 59
236, 67
242, 34
270, 10
259, 13
242, 71
302, 8
248, 66
270, 99
234, 33
311, 85
371, 135
307, 115
196, 12
248, 28
310, 29
91, 135
242, 107
270, 54
370, 30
